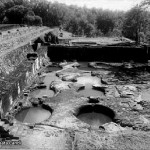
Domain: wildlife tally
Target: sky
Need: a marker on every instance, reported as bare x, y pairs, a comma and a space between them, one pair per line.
105, 4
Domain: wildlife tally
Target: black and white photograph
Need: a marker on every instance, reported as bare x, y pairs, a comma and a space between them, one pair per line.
75, 74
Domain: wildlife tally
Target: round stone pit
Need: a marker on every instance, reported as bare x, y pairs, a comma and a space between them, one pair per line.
34, 115
95, 115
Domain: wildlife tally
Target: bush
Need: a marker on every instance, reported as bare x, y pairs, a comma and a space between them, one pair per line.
29, 20
116, 33
37, 21
33, 20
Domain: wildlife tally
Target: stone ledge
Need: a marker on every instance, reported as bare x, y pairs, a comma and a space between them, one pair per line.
9, 45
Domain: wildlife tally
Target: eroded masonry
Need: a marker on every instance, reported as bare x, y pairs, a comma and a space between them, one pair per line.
65, 93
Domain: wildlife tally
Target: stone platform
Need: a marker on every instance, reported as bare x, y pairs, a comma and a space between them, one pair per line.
123, 93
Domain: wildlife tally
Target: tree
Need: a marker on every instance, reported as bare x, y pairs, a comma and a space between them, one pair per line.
145, 3
105, 23
2, 8
30, 13
135, 22
73, 25
8, 4
78, 20
29, 20
37, 21
32, 19
90, 30
41, 8
18, 2
16, 14
116, 33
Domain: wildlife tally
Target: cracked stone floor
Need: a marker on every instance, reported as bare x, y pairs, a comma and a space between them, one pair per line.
122, 88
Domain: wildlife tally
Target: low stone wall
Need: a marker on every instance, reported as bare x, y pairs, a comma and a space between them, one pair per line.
98, 53
14, 41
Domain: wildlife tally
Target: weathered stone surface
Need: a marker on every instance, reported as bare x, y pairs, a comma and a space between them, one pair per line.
63, 130
46, 137
65, 65
62, 64
35, 101
100, 87
67, 71
70, 77
101, 73
127, 91
132, 140
144, 119
93, 140
128, 65
112, 127
77, 86
138, 99
16, 42
16, 71
88, 79
58, 86
111, 91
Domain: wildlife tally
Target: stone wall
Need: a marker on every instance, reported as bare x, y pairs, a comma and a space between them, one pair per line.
17, 72
98, 53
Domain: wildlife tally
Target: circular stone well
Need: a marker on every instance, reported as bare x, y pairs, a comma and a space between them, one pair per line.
95, 115
33, 114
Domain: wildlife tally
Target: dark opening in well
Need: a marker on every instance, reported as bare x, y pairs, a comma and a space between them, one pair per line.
95, 115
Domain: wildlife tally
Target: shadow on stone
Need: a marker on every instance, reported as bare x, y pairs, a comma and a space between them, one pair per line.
95, 115
34, 114
92, 100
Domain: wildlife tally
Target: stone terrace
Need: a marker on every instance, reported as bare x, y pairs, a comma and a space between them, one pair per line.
19, 37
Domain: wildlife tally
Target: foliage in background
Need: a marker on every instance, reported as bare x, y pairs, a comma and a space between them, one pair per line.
136, 23
81, 21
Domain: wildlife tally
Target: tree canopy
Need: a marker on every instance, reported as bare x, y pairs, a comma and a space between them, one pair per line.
105, 23
81, 21
136, 23
16, 13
